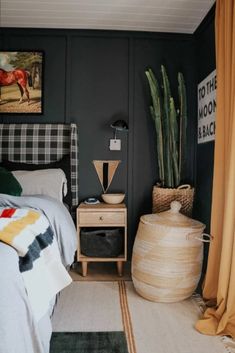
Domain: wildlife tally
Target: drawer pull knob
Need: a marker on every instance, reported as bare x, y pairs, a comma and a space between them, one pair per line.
101, 218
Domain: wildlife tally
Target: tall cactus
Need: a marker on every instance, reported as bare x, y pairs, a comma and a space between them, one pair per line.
171, 134
183, 122
174, 142
155, 110
166, 126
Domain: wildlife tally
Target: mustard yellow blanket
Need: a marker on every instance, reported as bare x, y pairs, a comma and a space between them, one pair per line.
29, 233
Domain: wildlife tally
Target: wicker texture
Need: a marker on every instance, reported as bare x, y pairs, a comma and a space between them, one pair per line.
162, 198
166, 261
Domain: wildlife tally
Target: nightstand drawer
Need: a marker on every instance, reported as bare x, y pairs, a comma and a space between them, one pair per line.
90, 218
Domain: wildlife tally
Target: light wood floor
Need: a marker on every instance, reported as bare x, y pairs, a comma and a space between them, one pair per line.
101, 271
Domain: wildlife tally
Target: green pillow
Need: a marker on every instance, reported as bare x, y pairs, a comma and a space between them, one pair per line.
8, 183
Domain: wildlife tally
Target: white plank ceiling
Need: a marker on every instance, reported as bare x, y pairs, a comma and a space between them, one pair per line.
179, 16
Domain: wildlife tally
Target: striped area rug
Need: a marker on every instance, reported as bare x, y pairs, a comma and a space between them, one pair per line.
126, 317
149, 327
94, 307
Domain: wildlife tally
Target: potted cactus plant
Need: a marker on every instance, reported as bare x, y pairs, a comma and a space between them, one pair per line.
171, 125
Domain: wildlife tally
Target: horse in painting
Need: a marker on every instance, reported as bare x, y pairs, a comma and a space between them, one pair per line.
18, 76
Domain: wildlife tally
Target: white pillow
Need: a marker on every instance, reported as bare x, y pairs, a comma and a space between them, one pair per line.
50, 182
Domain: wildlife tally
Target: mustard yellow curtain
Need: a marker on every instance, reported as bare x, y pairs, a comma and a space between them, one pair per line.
220, 276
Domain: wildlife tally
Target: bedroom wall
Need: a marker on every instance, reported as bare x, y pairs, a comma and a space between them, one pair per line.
205, 59
95, 77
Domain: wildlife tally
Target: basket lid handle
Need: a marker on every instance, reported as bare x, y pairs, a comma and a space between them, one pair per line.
175, 206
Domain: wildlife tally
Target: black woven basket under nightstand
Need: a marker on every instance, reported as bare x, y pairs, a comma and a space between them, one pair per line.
105, 242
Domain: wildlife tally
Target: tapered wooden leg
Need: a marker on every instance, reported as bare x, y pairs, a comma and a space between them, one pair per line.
120, 267
84, 268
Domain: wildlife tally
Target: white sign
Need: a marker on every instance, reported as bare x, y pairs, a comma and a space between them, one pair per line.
206, 94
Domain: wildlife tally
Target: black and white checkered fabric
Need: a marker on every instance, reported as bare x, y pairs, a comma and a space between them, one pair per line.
41, 144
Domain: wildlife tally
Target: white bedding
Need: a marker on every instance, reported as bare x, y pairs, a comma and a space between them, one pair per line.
51, 182
19, 330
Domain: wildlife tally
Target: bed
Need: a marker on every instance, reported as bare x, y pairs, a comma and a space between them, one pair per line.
37, 146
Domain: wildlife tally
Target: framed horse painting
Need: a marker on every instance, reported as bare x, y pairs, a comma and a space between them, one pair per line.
21, 82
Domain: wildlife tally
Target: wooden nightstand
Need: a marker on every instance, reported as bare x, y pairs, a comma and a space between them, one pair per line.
102, 215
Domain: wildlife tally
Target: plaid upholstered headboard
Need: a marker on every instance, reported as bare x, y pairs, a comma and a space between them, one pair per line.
41, 144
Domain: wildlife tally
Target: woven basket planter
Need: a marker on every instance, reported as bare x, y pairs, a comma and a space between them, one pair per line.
162, 198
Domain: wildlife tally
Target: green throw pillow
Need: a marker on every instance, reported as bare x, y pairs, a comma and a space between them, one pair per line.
9, 184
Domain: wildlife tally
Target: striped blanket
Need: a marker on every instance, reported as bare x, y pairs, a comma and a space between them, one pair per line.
28, 231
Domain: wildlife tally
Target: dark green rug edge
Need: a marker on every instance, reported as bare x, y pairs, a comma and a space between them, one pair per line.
88, 342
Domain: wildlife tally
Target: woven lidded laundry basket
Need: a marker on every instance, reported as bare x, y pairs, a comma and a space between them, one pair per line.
167, 255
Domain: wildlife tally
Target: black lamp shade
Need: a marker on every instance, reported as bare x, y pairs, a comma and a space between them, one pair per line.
120, 125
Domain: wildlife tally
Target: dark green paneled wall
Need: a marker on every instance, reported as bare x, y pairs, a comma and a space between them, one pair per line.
205, 44
98, 96
205, 59
95, 77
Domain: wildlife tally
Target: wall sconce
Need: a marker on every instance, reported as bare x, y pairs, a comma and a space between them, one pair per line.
118, 125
